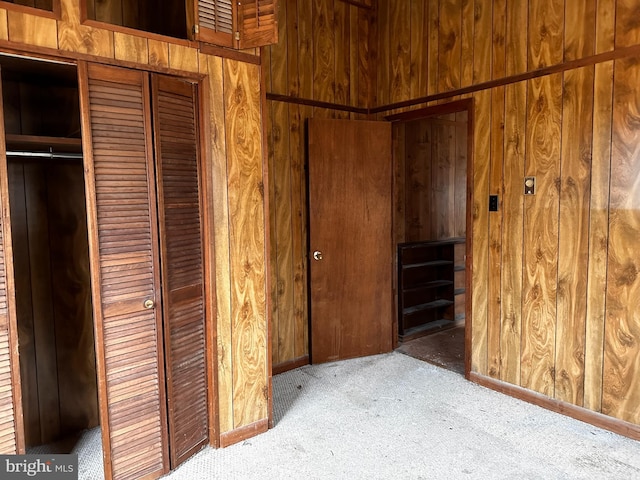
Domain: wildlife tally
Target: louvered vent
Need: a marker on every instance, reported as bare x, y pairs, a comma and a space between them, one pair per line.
216, 15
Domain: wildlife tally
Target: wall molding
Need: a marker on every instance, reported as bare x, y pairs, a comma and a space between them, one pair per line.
242, 433
290, 365
615, 54
597, 419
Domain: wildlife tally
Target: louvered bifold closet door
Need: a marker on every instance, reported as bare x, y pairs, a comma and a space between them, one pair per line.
257, 22
11, 434
176, 140
215, 21
125, 274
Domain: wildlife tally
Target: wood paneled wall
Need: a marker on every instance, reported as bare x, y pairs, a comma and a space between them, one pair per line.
432, 179
234, 187
554, 282
322, 55
554, 287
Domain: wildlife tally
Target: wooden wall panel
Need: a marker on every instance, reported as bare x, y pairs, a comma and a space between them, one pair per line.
543, 137
546, 21
544, 266
480, 232
450, 44
598, 236
512, 232
580, 29
573, 249
494, 302
622, 330
247, 242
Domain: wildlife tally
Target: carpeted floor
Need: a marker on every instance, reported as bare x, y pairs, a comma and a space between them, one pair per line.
394, 417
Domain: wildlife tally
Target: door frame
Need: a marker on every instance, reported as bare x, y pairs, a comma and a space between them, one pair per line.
463, 105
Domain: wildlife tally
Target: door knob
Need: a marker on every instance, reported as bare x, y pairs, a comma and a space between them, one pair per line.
317, 255
148, 303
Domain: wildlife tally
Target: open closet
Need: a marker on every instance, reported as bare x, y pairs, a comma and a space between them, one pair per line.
50, 250
106, 262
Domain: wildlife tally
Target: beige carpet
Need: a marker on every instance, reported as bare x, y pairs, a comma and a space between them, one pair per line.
394, 417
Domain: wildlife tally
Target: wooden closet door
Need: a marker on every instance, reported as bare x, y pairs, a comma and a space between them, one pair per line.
123, 241
11, 423
176, 141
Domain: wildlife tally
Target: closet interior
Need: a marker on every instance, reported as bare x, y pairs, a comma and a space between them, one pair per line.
50, 250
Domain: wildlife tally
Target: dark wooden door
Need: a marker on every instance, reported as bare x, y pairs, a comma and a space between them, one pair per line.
351, 254
182, 259
123, 240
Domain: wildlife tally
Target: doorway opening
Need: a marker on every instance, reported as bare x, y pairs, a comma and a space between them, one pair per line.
50, 252
432, 151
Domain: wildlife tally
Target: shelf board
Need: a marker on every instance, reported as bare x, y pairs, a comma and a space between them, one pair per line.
432, 263
42, 143
428, 285
427, 306
427, 328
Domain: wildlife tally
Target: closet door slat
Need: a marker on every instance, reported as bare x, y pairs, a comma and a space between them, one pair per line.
124, 242
176, 141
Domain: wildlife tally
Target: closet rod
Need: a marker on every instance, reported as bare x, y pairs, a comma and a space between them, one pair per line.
43, 154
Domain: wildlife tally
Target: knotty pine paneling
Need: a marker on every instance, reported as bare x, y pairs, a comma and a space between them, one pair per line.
237, 235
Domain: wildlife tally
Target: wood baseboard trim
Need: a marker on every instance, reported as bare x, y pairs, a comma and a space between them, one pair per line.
596, 419
290, 365
242, 433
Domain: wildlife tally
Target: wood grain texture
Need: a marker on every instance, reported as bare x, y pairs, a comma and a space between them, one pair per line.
573, 248
81, 38
546, 22
399, 49
419, 40
544, 113
605, 25
627, 27
183, 58
130, 48
512, 233
283, 233
622, 329
433, 14
466, 43
159, 53
247, 248
347, 311
342, 55
516, 37
32, 29
480, 233
4, 27
221, 227
580, 29
449, 42
482, 41
598, 236
323, 51
496, 187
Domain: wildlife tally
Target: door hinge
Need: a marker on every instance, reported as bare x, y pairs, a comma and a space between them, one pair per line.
196, 29
237, 36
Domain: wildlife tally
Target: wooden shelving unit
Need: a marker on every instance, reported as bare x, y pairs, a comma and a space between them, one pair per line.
430, 286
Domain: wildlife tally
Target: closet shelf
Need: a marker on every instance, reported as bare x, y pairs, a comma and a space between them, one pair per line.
42, 143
